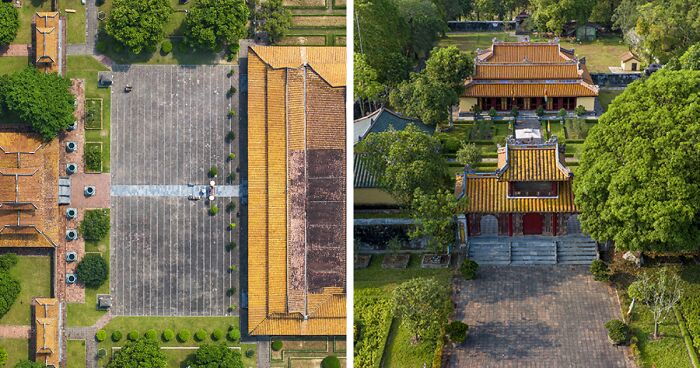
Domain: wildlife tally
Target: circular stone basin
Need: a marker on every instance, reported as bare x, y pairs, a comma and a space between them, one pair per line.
71, 256
71, 168
72, 146
72, 235
71, 278
71, 213
89, 191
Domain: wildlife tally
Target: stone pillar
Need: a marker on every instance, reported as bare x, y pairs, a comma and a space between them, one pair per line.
517, 224
547, 224
462, 230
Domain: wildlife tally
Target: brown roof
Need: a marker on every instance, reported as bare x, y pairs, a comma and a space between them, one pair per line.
518, 52
515, 89
29, 215
526, 71
46, 32
627, 56
46, 330
296, 191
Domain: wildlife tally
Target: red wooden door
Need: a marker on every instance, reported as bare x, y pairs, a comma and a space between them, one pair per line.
532, 223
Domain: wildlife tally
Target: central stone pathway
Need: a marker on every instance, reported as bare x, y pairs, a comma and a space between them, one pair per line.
172, 190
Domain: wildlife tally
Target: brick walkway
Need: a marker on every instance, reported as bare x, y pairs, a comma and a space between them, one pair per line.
545, 316
15, 50
14, 332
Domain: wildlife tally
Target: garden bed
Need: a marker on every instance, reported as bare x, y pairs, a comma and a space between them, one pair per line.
362, 261
435, 261
93, 157
396, 260
93, 113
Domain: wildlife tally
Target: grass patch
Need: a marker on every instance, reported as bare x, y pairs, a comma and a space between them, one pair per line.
34, 274
93, 113
86, 314
76, 354
606, 97
11, 64
177, 358
17, 349
401, 353
26, 12
93, 157
470, 41
86, 68
600, 54
668, 351
76, 21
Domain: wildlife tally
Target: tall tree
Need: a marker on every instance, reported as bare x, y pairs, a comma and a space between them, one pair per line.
366, 84
422, 306
275, 18
424, 23
637, 182
422, 97
690, 60
42, 100
433, 215
405, 160
9, 23
142, 353
552, 15
667, 28
138, 24
216, 356
212, 23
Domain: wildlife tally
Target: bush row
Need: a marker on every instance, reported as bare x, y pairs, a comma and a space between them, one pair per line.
233, 334
373, 317
690, 308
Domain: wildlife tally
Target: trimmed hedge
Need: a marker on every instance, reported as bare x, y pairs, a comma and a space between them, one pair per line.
92, 270
95, 225
183, 335
166, 47
373, 315
217, 335
151, 334
330, 361
277, 345
200, 335
133, 336
234, 334
457, 331
468, 269
116, 336
599, 270
168, 335
618, 331
101, 335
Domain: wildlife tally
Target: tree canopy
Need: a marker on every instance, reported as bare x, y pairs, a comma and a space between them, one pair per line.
552, 15
138, 24
450, 66
24, 363
212, 23
405, 160
142, 353
637, 182
9, 290
424, 26
276, 19
690, 60
365, 81
216, 356
92, 270
9, 23
433, 215
42, 100
422, 304
424, 98
95, 225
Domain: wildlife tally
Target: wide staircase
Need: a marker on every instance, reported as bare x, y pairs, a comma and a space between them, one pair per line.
532, 250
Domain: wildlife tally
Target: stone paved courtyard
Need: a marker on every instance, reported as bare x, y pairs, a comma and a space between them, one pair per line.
543, 316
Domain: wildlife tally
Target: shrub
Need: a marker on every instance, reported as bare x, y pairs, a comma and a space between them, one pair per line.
231, 206
95, 225
151, 334
469, 154
576, 128
232, 268
217, 335
7, 261
230, 73
468, 269
231, 113
450, 144
213, 210
231, 291
133, 336
618, 331
599, 270
3, 356
234, 334
92, 270
232, 90
232, 308
232, 226
183, 335
213, 171
116, 336
166, 47
330, 361
457, 331
230, 136
249, 353
231, 156
101, 335
277, 345
562, 113
476, 109
540, 111
231, 177
200, 335
580, 110
101, 353
493, 113
230, 246
168, 335
93, 157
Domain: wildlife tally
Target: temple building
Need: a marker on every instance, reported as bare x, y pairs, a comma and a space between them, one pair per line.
296, 191
529, 194
47, 37
527, 75
47, 327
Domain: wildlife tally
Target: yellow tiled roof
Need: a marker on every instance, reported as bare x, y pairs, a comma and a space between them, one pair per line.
280, 92
517, 52
46, 329
46, 26
328, 62
506, 89
526, 71
532, 163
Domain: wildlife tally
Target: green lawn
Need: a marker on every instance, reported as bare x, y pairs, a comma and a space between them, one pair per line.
17, 349
400, 352
34, 273
600, 54
469, 42
86, 314
76, 21
11, 64
606, 97
29, 7
86, 67
669, 351
76, 354
176, 358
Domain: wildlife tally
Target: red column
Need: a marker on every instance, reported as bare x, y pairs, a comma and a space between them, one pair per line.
510, 224
554, 224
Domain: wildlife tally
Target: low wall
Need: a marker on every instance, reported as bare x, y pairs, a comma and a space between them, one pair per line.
614, 80
474, 26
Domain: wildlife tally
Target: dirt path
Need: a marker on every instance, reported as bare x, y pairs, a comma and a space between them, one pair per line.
15, 332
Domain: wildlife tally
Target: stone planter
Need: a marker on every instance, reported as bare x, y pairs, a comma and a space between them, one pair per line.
362, 261
396, 260
435, 261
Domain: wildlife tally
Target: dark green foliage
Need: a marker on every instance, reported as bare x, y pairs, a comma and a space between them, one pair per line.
230, 136
215, 356
552, 15
433, 218
422, 304
234, 334
277, 345
142, 353
166, 47
213, 210
231, 206
493, 113
249, 353
9, 23
9, 290
424, 27
330, 361
217, 335
690, 302
230, 246
635, 184
133, 335
424, 98
580, 110
93, 157
3, 356
213, 171
7, 261
29, 364
457, 330
200, 335
92, 270
468, 269
618, 331
138, 24
183, 335
101, 335
151, 334
599, 270
41, 100
450, 144
116, 336
168, 335
101, 353
277, 19
373, 316
95, 224
231, 291
212, 23
540, 111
